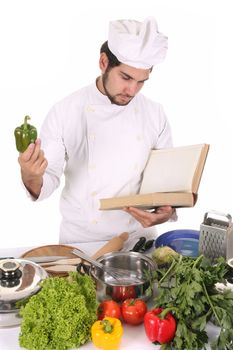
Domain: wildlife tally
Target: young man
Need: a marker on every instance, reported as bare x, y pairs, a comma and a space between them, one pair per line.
101, 137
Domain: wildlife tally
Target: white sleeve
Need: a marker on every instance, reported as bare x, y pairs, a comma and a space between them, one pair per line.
165, 136
174, 216
54, 150
49, 185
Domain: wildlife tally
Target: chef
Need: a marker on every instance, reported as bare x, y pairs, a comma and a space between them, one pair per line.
100, 138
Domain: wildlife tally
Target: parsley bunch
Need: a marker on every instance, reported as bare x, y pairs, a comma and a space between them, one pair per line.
188, 287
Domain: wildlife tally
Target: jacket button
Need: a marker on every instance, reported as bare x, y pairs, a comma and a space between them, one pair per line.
91, 167
91, 136
90, 109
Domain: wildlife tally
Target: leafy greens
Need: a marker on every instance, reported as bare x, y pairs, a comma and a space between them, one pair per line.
60, 315
188, 286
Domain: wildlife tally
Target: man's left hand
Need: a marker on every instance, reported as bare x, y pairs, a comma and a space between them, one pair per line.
147, 218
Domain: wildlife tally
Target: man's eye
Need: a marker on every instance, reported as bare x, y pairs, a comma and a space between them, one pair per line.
125, 78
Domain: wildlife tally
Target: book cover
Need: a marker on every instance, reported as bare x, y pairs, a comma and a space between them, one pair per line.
171, 177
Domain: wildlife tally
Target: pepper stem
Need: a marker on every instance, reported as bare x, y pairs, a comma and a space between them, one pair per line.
163, 314
107, 326
25, 124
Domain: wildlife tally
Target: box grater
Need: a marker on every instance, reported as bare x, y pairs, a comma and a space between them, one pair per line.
216, 236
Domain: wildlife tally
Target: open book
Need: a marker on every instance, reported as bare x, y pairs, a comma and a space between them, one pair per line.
171, 177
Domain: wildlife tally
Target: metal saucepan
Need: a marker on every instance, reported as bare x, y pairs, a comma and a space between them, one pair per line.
108, 288
19, 279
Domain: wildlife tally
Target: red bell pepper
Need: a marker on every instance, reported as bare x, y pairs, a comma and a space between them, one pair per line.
160, 325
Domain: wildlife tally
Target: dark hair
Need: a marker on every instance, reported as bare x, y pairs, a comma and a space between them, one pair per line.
112, 60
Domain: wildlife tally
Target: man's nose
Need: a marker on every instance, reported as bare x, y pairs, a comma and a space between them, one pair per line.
132, 88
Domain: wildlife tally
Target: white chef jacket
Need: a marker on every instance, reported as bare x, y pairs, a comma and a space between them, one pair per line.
102, 149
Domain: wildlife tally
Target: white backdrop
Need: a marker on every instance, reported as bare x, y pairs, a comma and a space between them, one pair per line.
50, 48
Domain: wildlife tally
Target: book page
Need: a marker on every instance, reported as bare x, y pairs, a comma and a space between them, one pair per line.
172, 169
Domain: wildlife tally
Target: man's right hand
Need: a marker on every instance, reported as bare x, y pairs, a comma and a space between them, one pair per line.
33, 165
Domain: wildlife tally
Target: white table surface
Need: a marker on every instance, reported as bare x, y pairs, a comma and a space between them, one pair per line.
134, 337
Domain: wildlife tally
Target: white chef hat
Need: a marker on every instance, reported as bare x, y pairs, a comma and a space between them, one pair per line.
137, 44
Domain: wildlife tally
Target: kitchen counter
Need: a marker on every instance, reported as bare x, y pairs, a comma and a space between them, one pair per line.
134, 337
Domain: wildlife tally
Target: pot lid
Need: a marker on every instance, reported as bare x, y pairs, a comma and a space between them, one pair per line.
19, 278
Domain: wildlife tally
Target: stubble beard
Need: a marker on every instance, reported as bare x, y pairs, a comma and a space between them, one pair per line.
113, 98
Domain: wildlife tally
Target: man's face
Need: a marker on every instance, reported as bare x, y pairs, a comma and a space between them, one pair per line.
123, 82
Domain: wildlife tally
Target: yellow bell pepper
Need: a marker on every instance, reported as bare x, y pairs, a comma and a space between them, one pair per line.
107, 333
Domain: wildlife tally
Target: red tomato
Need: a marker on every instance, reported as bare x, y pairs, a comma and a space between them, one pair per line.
108, 308
133, 311
121, 293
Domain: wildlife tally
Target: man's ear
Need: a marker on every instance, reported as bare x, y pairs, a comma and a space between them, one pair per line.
103, 62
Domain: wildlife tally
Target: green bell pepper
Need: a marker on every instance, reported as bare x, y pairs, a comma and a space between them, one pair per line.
24, 135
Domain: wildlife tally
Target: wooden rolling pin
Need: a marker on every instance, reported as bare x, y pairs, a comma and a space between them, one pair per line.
115, 244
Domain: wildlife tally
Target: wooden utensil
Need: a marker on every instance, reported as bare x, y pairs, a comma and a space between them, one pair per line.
63, 269
115, 244
71, 261
55, 249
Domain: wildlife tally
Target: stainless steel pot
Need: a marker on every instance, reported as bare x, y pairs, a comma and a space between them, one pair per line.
140, 265
19, 279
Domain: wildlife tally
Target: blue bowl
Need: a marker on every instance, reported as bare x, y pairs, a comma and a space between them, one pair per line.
185, 242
